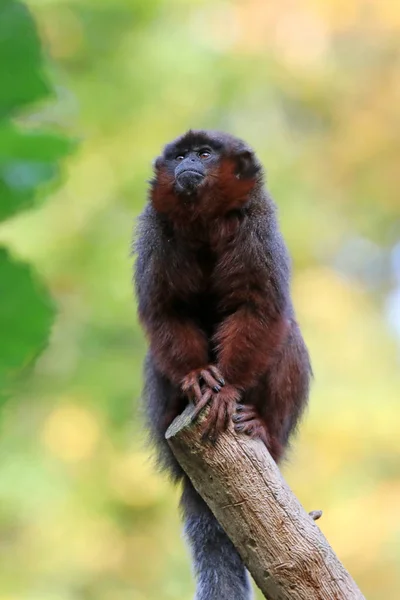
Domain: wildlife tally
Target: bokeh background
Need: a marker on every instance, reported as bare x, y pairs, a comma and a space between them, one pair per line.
89, 92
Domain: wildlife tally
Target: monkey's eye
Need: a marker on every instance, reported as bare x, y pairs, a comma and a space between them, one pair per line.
204, 154
179, 157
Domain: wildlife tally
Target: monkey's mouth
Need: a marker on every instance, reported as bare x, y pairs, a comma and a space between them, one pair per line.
189, 180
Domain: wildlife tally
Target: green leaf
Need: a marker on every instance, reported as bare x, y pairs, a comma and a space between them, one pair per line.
26, 317
21, 71
27, 161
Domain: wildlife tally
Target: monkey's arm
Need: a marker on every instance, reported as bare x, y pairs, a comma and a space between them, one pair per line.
255, 283
179, 347
246, 343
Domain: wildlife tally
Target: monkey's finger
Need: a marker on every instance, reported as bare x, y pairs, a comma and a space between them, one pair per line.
207, 395
196, 392
199, 407
210, 381
245, 409
221, 418
238, 418
252, 425
247, 428
217, 374
205, 399
246, 414
209, 425
211, 421
228, 416
239, 427
188, 383
264, 437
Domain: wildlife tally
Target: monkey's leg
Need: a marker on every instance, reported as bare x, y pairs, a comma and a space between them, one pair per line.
288, 387
271, 410
219, 570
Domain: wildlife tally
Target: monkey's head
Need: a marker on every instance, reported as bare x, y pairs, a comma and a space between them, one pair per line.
204, 173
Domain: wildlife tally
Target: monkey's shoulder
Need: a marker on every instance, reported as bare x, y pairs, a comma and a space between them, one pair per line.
153, 237
261, 233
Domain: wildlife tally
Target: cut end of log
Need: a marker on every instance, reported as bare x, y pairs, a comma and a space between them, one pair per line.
184, 420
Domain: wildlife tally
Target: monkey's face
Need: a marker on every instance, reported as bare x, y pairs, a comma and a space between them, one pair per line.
192, 166
189, 161
203, 171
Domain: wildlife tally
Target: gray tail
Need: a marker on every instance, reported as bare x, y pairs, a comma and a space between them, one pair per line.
219, 570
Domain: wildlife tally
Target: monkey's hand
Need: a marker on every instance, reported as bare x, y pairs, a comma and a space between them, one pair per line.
199, 381
222, 407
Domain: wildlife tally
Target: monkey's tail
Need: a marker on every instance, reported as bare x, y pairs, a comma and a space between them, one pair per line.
219, 570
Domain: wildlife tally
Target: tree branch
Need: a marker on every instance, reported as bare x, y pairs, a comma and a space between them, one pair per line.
284, 550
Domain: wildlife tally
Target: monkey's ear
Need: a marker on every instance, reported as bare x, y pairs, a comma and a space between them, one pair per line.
157, 163
247, 165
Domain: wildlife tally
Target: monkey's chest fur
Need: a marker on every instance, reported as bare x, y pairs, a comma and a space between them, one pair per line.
203, 302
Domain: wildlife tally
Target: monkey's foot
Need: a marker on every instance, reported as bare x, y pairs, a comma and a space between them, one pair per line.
222, 406
210, 377
247, 421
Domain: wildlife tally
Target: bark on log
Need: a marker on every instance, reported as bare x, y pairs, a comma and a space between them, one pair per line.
284, 550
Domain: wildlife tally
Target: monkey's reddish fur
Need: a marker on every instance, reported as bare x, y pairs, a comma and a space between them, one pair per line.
213, 286
222, 192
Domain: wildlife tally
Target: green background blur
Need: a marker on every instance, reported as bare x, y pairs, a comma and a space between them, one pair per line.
314, 86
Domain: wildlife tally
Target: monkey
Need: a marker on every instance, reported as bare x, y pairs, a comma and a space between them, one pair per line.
212, 280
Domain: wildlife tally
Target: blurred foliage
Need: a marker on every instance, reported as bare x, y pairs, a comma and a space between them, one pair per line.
27, 160
314, 87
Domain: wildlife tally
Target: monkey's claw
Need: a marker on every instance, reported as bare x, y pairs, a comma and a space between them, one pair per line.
244, 412
217, 374
212, 377
197, 381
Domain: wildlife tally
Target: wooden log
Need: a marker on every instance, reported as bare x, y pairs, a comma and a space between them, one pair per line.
279, 542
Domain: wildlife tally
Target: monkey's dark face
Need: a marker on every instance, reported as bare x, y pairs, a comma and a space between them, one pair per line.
192, 166
205, 173
189, 161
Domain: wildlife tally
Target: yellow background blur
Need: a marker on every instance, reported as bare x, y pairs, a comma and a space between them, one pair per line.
315, 88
